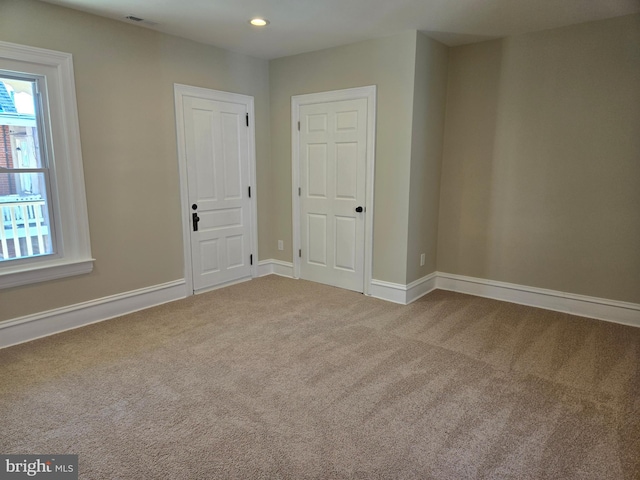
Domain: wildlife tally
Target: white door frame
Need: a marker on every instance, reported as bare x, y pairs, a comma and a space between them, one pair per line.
369, 93
181, 91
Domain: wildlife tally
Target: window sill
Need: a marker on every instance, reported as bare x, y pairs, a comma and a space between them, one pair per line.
44, 271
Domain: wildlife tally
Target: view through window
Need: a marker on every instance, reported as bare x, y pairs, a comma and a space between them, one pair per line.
25, 229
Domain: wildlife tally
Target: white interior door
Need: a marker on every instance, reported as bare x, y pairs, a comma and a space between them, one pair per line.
217, 154
333, 163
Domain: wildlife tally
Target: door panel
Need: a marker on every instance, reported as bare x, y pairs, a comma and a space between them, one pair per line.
346, 171
317, 178
317, 236
332, 156
217, 155
345, 243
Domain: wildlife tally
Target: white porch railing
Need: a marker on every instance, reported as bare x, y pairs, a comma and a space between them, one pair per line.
23, 219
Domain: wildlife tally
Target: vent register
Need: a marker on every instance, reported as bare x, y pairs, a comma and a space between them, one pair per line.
134, 19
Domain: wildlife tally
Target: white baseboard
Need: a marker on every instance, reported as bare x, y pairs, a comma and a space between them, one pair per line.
403, 294
581, 305
391, 292
31, 327
277, 267
221, 285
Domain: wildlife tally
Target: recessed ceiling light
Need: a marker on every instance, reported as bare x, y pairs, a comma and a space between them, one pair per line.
259, 22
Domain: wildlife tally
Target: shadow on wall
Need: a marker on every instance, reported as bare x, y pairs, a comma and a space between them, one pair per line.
540, 169
469, 152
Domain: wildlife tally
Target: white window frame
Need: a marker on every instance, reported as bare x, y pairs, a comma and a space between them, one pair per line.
68, 199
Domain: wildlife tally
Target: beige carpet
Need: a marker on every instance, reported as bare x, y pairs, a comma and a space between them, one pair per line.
277, 378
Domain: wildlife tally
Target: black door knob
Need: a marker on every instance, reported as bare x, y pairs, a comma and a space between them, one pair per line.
359, 209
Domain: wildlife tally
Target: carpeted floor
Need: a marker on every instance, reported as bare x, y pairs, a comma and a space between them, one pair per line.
278, 378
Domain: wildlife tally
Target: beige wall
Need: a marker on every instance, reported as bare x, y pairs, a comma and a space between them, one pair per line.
388, 63
430, 88
540, 166
541, 170
124, 79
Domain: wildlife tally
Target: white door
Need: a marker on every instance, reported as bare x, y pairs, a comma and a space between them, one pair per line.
217, 155
333, 162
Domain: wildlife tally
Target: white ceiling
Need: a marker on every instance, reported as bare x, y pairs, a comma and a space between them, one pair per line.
299, 26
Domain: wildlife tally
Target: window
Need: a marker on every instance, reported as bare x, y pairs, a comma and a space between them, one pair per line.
25, 199
44, 230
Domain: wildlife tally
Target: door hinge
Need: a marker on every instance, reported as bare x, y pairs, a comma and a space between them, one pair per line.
247, 119
298, 126
299, 191
249, 192
251, 259
300, 253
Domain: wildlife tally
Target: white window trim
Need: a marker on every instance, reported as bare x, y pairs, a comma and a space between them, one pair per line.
70, 207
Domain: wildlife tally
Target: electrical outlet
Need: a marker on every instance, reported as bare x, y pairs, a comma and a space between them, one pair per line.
280, 245
422, 259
